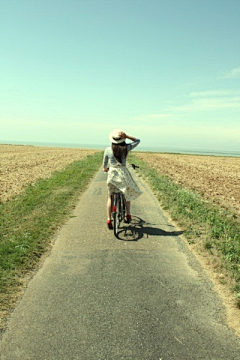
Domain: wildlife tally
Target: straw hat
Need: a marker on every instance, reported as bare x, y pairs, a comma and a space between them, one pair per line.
115, 137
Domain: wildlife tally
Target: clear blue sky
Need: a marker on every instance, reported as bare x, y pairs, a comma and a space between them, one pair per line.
166, 71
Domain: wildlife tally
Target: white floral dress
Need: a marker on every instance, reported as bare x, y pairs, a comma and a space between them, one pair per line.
120, 180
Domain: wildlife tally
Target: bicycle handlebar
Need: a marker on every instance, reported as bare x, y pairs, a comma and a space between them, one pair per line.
134, 166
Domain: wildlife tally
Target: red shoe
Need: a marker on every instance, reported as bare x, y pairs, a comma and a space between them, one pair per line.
109, 224
129, 218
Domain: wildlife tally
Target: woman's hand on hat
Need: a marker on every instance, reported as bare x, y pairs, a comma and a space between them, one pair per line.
123, 135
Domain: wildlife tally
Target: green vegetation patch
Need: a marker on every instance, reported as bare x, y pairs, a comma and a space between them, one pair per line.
215, 228
29, 221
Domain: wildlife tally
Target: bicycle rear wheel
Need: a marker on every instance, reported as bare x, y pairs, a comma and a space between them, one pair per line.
123, 208
116, 214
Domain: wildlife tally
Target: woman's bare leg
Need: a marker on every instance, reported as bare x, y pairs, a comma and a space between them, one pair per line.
128, 207
109, 207
129, 218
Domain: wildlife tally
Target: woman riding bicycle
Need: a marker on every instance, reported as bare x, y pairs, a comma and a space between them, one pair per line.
119, 178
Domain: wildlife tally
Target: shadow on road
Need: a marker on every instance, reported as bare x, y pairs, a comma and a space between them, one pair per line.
139, 229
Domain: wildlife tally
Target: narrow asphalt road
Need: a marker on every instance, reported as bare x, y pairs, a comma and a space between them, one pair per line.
143, 297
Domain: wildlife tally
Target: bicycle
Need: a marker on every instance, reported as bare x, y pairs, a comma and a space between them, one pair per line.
119, 208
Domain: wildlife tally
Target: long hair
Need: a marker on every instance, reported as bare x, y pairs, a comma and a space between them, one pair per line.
120, 151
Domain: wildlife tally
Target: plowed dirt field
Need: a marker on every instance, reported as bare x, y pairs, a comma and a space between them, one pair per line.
22, 165
216, 179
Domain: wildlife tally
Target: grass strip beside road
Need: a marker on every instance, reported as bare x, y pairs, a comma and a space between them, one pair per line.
214, 229
29, 221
